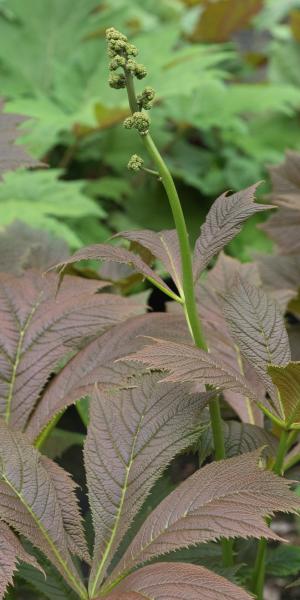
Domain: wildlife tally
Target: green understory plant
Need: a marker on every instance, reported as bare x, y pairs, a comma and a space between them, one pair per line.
227, 103
223, 335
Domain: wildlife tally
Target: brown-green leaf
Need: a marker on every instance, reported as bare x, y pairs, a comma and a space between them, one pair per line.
29, 502
227, 499
96, 363
223, 222
11, 551
39, 328
133, 435
163, 245
258, 327
189, 363
177, 581
115, 254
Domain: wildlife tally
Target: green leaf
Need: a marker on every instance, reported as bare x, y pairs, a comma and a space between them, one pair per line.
42, 200
52, 586
113, 188
287, 380
283, 561
58, 82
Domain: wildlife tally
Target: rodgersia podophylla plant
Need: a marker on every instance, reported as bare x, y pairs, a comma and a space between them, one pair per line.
152, 398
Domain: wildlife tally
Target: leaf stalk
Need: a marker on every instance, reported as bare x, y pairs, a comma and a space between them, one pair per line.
260, 563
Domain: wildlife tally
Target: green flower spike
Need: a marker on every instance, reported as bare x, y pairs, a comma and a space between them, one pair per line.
135, 163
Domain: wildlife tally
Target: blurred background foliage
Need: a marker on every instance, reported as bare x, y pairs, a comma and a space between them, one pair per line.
227, 78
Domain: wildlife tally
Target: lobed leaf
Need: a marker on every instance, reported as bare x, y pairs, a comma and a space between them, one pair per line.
179, 581
223, 222
12, 155
11, 551
29, 502
133, 435
229, 498
258, 328
287, 380
39, 329
43, 200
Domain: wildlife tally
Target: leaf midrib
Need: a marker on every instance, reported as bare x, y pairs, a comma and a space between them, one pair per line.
119, 511
18, 358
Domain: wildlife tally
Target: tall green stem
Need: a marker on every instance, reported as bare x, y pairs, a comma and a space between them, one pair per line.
260, 563
189, 298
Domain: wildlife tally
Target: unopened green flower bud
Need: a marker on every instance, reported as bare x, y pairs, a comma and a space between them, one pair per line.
132, 50
140, 71
131, 65
117, 81
147, 105
114, 34
129, 123
135, 163
148, 93
116, 62
141, 122
117, 46
144, 99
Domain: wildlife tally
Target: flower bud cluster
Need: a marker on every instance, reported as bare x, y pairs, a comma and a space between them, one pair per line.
139, 121
121, 53
145, 99
117, 81
136, 69
135, 162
